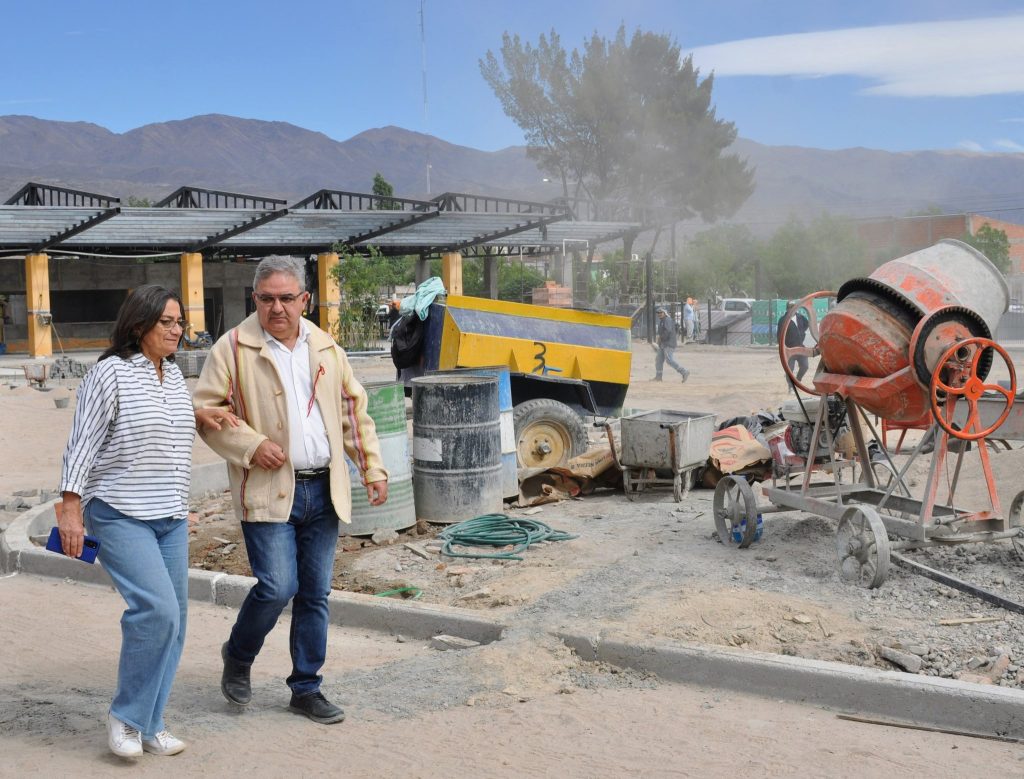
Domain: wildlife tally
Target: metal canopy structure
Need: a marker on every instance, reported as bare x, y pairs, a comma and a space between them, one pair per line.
217, 223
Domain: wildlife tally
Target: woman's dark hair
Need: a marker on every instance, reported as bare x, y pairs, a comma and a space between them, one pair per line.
137, 316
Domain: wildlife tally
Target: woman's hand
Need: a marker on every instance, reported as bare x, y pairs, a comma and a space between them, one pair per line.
71, 526
214, 418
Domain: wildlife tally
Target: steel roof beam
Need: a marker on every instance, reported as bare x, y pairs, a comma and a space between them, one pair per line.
399, 225
36, 194
460, 201
518, 228
216, 238
193, 197
340, 200
82, 226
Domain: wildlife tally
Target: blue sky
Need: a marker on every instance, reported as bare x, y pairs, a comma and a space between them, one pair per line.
887, 75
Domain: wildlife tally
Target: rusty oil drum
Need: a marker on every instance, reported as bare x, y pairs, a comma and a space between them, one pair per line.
894, 323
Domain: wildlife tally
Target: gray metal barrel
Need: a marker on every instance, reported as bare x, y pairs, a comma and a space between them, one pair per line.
386, 407
456, 447
509, 466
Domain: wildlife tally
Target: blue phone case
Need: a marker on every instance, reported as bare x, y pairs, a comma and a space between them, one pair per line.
90, 546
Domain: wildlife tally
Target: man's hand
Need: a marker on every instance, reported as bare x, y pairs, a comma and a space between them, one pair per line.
377, 492
71, 526
269, 456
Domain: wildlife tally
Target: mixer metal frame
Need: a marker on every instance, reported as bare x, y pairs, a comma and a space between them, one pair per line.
879, 504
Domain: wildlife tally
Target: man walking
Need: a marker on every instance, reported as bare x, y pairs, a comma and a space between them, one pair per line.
666, 346
301, 410
794, 337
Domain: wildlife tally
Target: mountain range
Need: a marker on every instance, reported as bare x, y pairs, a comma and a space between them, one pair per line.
278, 159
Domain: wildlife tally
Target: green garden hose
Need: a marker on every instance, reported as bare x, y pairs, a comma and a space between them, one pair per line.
497, 530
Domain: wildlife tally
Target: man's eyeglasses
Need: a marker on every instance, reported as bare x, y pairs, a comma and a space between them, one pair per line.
284, 300
169, 323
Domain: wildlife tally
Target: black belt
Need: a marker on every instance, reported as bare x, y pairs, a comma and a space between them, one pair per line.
312, 473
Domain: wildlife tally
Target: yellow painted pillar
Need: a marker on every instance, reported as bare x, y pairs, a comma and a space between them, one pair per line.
192, 291
451, 272
330, 294
37, 300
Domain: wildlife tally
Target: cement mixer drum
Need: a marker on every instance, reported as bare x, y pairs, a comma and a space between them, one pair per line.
896, 322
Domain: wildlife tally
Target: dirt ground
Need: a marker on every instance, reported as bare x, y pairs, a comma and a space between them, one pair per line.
652, 569
521, 707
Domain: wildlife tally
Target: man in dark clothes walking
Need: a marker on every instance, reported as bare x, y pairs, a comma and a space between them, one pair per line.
666, 346
794, 336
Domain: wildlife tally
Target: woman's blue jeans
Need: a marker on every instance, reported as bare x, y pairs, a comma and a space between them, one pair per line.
293, 559
148, 562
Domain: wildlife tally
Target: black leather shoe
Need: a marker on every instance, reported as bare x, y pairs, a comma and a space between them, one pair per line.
317, 708
234, 682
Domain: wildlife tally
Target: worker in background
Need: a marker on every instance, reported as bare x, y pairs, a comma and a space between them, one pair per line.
688, 317
666, 347
794, 336
301, 410
394, 313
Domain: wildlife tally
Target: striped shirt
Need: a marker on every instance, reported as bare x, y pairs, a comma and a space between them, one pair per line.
131, 439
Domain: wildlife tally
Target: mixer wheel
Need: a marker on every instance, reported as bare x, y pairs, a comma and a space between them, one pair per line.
862, 546
1015, 521
735, 510
786, 352
957, 375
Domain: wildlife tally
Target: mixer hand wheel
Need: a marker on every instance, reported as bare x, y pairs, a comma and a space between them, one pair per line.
786, 353
956, 376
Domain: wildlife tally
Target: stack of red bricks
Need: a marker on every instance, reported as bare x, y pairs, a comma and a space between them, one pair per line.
551, 294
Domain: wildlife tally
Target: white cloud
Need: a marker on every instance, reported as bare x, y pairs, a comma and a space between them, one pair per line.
970, 146
1008, 145
926, 59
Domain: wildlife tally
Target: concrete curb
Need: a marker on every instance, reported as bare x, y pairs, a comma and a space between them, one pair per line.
926, 700
412, 620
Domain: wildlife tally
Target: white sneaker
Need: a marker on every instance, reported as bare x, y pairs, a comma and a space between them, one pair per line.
163, 743
124, 740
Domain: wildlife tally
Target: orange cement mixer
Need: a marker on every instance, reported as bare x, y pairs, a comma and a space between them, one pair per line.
883, 340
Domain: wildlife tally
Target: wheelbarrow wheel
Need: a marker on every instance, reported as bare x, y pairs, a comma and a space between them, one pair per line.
735, 510
548, 433
862, 546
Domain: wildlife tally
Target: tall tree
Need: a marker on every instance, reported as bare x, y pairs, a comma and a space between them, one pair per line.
626, 125
384, 190
993, 243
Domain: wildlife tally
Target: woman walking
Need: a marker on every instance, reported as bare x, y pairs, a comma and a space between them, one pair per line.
125, 479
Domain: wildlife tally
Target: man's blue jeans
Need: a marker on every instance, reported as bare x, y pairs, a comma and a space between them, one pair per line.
666, 355
293, 559
148, 562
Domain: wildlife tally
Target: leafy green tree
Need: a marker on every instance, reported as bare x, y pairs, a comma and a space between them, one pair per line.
799, 259
993, 243
360, 279
516, 280
139, 202
624, 124
384, 190
720, 260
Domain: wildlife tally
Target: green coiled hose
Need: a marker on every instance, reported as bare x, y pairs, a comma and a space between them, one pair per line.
496, 530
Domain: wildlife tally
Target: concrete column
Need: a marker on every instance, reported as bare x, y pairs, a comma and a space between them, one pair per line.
37, 303
330, 293
192, 291
491, 277
451, 272
422, 268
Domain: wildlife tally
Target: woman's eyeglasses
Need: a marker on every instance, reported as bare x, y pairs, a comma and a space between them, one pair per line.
169, 323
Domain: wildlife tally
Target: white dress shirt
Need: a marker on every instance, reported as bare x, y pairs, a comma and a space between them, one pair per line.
307, 437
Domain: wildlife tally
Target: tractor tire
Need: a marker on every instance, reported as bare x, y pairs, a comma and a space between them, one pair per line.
548, 433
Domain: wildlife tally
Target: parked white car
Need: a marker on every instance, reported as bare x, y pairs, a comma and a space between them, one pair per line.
736, 304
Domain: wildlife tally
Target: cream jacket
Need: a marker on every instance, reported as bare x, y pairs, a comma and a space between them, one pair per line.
241, 374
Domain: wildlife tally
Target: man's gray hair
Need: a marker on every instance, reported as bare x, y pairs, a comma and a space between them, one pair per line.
277, 263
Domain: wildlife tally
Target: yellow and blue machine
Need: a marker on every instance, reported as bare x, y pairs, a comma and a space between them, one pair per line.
579, 358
